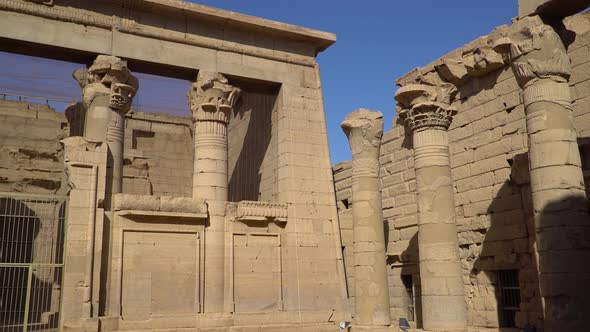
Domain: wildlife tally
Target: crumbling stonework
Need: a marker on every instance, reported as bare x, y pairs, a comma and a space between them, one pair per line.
31, 157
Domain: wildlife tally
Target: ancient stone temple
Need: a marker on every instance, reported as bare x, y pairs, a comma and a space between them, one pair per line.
483, 182
221, 219
470, 214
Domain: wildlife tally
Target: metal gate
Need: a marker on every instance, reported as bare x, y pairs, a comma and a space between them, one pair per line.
32, 229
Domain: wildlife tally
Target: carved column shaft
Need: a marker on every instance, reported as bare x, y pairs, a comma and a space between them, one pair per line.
364, 130
211, 99
441, 277
443, 302
562, 223
210, 163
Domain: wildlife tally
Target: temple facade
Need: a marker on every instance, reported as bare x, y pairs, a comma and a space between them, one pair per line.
222, 219
470, 214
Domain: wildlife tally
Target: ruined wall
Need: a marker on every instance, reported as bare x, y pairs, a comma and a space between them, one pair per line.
253, 152
31, 157
158, 155
158, 150
488, 147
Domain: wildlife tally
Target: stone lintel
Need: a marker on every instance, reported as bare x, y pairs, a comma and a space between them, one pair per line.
320, 39
159, 205
202, 28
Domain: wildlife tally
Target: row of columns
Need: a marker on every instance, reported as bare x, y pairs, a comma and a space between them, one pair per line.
562, 226
108, 89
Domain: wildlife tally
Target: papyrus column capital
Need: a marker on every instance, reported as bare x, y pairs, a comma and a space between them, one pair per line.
423, 106
211, 97
108, 76
364, 129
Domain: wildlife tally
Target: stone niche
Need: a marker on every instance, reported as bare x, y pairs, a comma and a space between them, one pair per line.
159, 263
253, 143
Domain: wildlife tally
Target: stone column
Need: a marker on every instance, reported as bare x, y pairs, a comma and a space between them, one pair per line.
364, 130
211, 100
427, 114
542, 67
108, 88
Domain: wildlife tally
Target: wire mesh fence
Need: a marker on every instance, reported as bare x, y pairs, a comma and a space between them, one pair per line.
31, 261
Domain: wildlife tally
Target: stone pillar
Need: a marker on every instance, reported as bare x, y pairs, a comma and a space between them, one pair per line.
364, 130
427, 114
108, 88
85, 163
542, 68
211, 100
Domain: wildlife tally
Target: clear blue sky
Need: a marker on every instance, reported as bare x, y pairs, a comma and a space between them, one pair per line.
378, 41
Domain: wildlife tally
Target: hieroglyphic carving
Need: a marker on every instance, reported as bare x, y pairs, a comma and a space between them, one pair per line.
422, 106
108, 75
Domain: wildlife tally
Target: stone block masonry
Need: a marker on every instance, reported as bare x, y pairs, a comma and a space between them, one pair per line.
256, 140
494, 208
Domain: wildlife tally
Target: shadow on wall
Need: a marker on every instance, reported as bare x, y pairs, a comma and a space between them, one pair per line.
412, 255
504, 283
251, 135
505, 272
19, 230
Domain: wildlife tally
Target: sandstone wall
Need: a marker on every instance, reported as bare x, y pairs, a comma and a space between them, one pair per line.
488, 146
158, 155
31, 157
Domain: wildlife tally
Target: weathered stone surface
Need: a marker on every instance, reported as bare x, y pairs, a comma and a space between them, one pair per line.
364, 129
158, 260
489, 149
542, 67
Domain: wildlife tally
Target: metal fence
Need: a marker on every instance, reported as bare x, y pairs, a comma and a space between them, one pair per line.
32, 229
